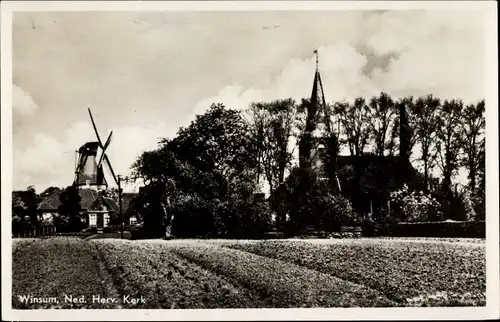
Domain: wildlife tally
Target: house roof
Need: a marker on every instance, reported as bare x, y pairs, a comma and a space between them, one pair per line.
110, 204
89, 197
50, 202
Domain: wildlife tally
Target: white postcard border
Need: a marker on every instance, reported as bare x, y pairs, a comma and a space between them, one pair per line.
492, 229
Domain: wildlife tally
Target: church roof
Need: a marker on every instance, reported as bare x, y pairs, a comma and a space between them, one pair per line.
378, 171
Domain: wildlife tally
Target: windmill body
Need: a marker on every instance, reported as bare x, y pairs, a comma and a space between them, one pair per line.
88, 173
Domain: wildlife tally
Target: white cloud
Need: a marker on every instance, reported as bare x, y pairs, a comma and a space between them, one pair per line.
436, 52
22, 102
50, 161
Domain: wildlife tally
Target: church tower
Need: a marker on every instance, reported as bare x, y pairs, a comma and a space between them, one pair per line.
312, 144
319, 145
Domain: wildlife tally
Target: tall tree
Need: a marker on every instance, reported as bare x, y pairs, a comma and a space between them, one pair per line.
449, 143
205, 161
28, 200
70, 207
382, 116
218, 140
480, 192
472, 129
355, 122
272, 126
49, 192
404, 128
426, 111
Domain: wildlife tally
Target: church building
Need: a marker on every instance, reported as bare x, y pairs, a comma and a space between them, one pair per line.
364, 179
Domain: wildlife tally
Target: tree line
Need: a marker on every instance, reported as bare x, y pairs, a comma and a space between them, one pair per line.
206, 180
27, 216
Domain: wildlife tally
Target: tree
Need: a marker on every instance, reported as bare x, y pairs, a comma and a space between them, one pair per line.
271, 125
480, 194
404, 127
218, 140
382, 112
18, 205
356, 125
152, 206
203, 163
472, 139
166, 177
25, 203
311, 203
426, 121
49, 192
242, 214
70, 207
449, 143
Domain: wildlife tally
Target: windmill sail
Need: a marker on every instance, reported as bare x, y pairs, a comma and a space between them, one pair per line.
102, 150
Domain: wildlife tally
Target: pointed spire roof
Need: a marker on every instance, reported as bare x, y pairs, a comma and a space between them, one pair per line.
319, 110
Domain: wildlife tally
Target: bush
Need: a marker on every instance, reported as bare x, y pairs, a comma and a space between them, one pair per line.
310, 202
465, 229
413, 206
108, 229
274, 235
338, 212
137, 232
61, 223
192, 217
379, 226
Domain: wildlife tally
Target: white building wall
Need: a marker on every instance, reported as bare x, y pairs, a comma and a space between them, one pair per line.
92, 220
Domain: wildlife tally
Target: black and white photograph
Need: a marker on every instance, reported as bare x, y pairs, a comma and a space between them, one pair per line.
259, 156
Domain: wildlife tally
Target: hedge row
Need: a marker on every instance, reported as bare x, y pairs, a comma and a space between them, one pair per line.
466, 229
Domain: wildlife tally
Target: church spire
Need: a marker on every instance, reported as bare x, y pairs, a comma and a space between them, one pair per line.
317, 121
318, 104
319, 146
317, 60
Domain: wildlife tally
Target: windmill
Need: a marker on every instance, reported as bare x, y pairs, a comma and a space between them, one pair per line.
91, 157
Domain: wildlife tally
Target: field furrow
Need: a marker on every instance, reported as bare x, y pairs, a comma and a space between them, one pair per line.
410, 274
282, 284
195, 274
56, 268
168, 281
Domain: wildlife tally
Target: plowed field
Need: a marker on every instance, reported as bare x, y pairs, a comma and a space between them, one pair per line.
192, 274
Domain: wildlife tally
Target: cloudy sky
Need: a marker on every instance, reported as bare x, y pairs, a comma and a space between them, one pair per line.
144, 74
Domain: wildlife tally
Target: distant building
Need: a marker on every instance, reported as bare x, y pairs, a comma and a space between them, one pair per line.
97, 209
364, 179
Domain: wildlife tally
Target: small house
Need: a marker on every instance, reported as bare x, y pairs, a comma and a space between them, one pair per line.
97, 209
